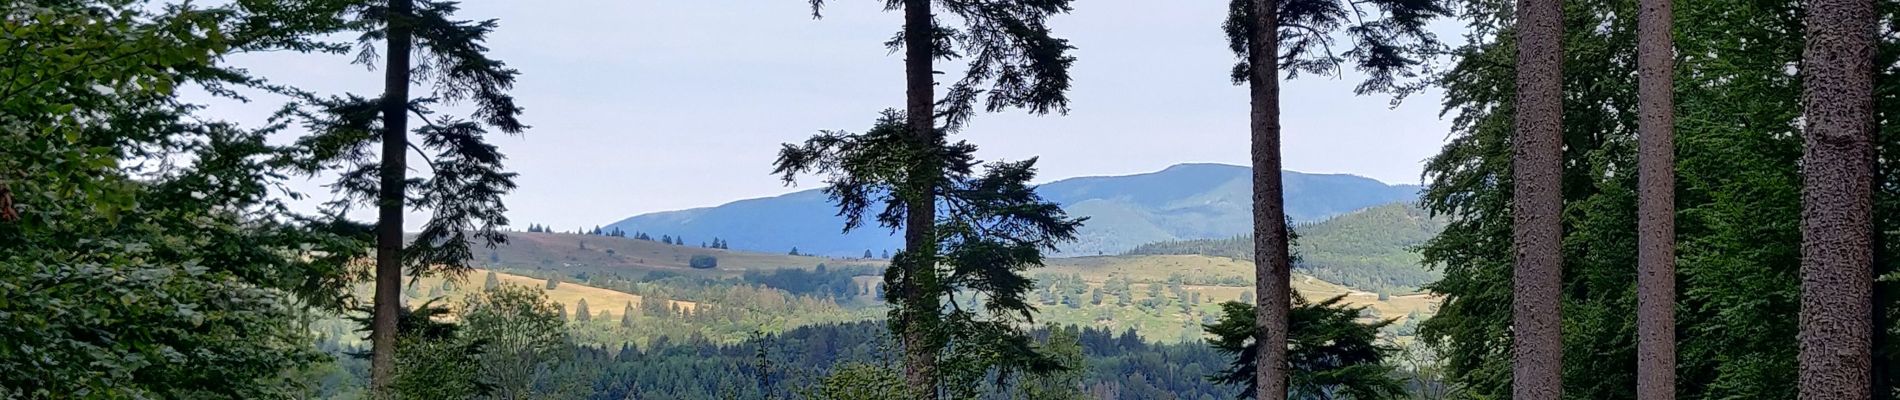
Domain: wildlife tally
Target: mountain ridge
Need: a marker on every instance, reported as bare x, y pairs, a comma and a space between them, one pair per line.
1181, 202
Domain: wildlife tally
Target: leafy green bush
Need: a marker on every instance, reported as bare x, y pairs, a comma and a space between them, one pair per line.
703, 261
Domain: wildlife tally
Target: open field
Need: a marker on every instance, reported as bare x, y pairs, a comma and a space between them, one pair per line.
567, 294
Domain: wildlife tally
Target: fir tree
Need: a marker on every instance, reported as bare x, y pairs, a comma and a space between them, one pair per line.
1014, 61
996, 227
581, 313
1331, 354
468, 181
1296, 36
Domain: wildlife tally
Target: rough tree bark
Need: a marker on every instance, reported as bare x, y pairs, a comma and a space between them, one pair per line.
1536, 225
1656, 204
395, 110
920, 354
1836, 200
1271, 264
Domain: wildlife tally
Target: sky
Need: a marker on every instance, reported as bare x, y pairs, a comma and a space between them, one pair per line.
639, 106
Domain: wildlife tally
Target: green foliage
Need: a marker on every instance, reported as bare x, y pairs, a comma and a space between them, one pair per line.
703, 261
1065, 347
1738, 204
1015, 61
522, 331
581, 313
861, 381
123, 279
1387, 43
432, 360
466, 178
993, 228
1330, 353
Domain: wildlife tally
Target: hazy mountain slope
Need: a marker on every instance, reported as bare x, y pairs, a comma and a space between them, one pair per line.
1188, 201
1369, 249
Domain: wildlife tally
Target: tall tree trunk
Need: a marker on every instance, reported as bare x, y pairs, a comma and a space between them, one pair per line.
1537, 224
1656, 205
390, 197
1272, 280
920, 352
1837, 201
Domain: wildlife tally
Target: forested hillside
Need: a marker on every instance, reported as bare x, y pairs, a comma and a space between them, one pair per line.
1163, 298
1372, 249
1115, 365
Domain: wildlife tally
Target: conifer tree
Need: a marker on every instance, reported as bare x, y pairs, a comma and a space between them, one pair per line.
581, 313
1013, 62
1296, 36
1331, 353
626, 316
491, 282
467, 180
1837, 164
1537, 205
994, 228
1656, 228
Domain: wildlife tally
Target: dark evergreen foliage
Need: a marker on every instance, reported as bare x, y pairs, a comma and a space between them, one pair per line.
995, 227
1330, 353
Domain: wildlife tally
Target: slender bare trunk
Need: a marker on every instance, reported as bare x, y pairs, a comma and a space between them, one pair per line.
920, 353
1656, 204
390, 197
1836, 201
1271, 265
1537, 225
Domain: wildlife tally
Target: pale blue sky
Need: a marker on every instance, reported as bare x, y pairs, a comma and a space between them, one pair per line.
653, 105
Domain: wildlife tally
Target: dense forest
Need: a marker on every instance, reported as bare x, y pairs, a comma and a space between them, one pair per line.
1117, 365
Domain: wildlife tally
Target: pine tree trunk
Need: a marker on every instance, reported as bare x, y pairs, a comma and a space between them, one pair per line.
920, 354
1836, 201
395, 109
1656, 204
1537, 226
1272, 278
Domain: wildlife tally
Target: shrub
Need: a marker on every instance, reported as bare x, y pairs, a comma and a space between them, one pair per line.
703, 261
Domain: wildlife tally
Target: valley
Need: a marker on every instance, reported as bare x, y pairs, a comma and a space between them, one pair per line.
1161, 297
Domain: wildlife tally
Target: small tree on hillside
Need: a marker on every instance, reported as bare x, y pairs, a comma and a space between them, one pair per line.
491, 282
626, 316
554, 283
580, 312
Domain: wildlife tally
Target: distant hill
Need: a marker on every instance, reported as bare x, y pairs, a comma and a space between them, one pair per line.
1170, 295
1369, 249
1187, 201
573, 253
